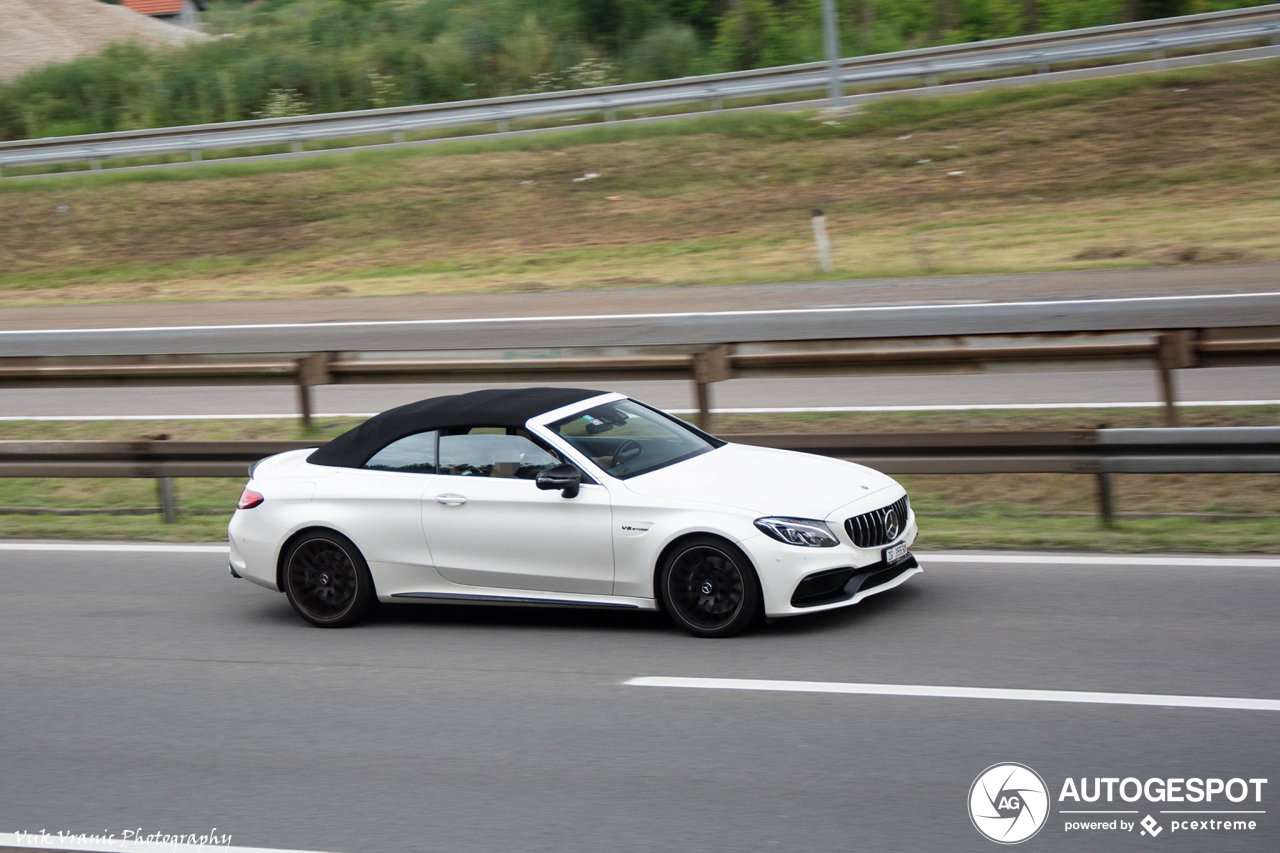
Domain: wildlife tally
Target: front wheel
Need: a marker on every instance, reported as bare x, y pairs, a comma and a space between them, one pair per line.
327, 580
710, 588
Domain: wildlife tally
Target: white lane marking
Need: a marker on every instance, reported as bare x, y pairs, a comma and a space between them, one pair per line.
939, 692
782, 410
595, 318
90, 844
1098, 560
925, 556
974, 407
56, 418
114, 548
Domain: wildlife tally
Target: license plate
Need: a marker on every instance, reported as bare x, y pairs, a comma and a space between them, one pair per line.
895, 552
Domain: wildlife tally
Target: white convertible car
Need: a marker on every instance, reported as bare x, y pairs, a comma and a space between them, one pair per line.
566, 497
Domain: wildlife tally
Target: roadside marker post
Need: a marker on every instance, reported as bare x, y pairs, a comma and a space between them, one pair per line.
821, 239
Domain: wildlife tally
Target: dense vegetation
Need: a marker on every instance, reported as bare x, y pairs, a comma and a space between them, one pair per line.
285, 57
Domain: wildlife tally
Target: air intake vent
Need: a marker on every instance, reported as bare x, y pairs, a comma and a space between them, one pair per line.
880, 526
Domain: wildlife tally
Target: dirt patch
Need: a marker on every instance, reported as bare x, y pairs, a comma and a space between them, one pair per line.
1102, 253
1205, 255
34, 33
1172, 255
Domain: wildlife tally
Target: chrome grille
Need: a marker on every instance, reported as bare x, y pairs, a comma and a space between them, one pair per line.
871, 529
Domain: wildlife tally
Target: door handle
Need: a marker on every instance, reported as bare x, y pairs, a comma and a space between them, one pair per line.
451, 500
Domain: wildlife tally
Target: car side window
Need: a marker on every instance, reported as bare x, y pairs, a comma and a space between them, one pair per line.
413, 454
492, 452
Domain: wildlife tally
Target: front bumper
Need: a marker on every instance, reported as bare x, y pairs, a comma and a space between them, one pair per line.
850, 573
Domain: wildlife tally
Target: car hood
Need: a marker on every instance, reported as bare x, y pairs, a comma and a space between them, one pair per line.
763, 480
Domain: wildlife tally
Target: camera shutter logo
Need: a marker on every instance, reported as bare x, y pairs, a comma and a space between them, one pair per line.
1008, 803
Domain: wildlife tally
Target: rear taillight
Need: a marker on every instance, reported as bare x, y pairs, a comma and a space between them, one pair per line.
249, 499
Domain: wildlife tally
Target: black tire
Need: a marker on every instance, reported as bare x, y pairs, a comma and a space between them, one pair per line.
327, 580
709, 587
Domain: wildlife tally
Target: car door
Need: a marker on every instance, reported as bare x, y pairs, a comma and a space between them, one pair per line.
489, 525
380, 504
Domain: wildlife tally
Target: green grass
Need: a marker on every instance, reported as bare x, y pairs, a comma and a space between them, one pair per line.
994, 529
1204, 512
874, 119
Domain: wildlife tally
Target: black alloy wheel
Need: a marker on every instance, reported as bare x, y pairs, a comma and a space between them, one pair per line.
327, 580
710, 588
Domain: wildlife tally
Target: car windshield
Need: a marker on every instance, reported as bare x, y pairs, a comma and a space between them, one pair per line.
626, 438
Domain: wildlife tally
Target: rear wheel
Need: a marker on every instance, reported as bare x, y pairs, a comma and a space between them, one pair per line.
327, 580
709, 587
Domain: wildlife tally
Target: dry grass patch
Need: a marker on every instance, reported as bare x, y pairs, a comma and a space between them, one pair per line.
1179, 168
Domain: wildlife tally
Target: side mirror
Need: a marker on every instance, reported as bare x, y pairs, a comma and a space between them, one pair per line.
564, 478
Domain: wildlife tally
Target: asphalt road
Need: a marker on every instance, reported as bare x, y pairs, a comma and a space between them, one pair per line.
153, 691
666, 328
638, 299
1039, 389
966, 305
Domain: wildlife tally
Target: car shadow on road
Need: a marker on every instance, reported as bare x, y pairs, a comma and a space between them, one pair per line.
502, 616
865, 614
862, 615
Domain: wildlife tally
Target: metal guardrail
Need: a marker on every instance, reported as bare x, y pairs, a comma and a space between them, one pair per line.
1038, 51
1166, 351
1207, 450
1099, 452
1223, 450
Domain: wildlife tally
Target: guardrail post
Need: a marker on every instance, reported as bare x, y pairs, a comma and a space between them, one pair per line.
168, 506
1175, 351
831, 37
164, 491
95, 164
197, 156
398, 137
709, 366
312, 370
610, 114
1106, 508
504, 126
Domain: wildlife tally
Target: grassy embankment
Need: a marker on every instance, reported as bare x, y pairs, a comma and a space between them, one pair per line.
1150, 170
1220, 513
272, 58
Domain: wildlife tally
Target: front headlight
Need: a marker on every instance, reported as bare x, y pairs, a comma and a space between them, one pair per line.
799, 531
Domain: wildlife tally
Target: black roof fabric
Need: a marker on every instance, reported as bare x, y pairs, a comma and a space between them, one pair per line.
489, 408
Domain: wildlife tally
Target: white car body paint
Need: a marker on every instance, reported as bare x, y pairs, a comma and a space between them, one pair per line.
511, 542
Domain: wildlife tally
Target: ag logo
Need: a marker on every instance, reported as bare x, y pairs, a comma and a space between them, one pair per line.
1008, 803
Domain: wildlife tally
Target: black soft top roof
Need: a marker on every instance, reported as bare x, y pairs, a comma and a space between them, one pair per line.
490, 408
